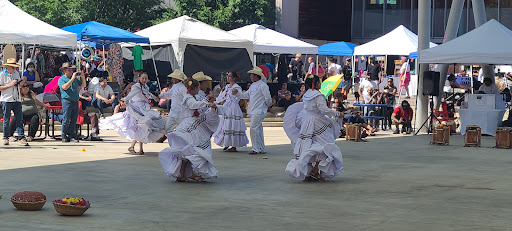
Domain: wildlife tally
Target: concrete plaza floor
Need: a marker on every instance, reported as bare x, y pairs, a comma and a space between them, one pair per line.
390, 183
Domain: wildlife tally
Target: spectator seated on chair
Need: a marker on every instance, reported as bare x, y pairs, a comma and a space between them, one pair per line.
388, 97
85, 97
284, 97
31, 77
104, 96
403, 115
29, 107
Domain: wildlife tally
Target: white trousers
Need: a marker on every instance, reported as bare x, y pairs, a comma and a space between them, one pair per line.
257, 139
172, 123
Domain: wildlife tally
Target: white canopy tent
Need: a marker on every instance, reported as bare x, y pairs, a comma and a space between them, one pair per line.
488, 44
18, 27
185, 30
400, 41
270, 41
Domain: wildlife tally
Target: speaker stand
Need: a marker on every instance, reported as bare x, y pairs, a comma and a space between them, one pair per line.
430, 118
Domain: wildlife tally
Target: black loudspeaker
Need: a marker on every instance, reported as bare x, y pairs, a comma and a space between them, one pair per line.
431, 83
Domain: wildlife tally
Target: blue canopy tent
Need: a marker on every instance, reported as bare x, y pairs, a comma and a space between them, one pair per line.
413, 55
339, 48
99, 35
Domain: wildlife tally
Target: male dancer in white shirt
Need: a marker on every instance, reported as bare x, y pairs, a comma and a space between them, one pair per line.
177, 92
203, 84
259, 101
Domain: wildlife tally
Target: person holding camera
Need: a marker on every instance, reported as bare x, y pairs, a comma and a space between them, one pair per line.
69, 84
11, 100
403, 115
388, 97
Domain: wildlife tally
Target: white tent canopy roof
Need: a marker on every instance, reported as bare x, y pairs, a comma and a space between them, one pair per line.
270, 41
180, 32
17, 27
491, 43
400, 41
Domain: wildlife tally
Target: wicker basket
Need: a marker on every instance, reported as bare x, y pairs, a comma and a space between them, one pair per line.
28, 206
70, 210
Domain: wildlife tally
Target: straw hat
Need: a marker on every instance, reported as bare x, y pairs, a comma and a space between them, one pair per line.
178, 74
200, 76
67, 65
257, 71
11, 62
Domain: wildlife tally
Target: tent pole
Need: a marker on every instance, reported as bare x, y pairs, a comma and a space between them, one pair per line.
316, 64
385, 70
353, 72
22, 65
22, 58
104, 61
156, 71
471, 76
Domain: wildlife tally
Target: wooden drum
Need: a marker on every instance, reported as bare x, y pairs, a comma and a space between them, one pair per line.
473, 136
504, 137
353, 132
441, 136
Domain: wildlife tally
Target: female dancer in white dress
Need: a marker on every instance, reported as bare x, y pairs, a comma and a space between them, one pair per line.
138, 123
231, 131
313, 134
190, 154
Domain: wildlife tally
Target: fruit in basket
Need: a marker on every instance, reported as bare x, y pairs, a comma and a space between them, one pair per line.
28, 200
28, 196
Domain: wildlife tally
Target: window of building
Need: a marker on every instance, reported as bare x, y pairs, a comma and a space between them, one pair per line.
373, 18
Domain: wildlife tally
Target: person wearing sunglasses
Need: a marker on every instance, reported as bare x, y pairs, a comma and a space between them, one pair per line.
30, 108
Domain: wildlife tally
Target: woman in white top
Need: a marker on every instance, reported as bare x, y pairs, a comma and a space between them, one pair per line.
138, 123
190, 154
312, 132
231, 131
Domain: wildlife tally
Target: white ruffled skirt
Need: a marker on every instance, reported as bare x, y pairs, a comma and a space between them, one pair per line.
191, 141
313, 140
231, 130
138, 123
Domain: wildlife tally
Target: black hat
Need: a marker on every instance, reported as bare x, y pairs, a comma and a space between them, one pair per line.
405, 104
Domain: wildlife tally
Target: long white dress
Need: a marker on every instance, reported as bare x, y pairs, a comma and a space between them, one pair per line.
313, 133
231, 130
191, 141
138, 122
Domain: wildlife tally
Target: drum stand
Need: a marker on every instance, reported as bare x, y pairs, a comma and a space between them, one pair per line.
430, 118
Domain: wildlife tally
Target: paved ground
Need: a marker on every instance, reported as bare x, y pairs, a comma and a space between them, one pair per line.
390, 183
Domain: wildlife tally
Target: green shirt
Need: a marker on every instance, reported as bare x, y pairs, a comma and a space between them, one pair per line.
137, 57
72, 92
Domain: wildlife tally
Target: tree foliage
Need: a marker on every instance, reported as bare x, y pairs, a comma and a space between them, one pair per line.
125, 14
224, 14
139, 14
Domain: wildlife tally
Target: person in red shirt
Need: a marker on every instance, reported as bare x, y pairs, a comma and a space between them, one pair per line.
264, 69
403, 115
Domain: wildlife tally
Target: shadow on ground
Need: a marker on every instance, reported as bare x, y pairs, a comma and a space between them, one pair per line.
397, 183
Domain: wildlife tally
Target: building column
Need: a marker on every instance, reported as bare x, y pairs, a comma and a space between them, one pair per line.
424, 8
480, 19
452, 27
